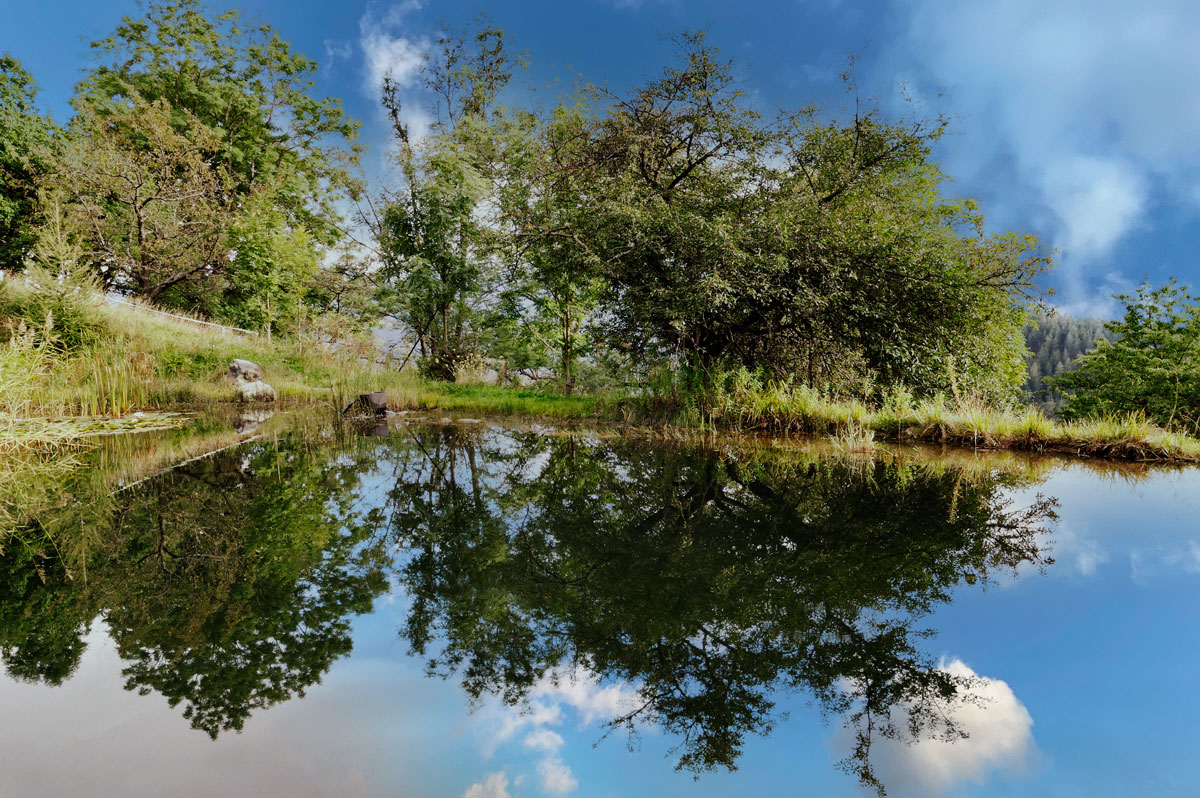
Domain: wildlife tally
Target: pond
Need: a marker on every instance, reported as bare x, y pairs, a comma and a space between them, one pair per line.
485, 610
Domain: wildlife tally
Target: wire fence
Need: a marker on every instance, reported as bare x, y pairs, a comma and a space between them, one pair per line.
116, 300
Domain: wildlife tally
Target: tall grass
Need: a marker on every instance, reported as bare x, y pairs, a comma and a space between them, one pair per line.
743, 400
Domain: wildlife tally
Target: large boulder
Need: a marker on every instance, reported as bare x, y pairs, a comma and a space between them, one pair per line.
243, 371
247, 379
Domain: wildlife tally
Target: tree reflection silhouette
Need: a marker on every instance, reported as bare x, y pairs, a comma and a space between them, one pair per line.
708, 582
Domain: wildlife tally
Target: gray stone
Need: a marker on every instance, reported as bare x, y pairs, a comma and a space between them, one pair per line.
243, 371
257, 391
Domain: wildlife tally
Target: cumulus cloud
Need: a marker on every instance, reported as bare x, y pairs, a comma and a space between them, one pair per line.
1000, 740
494, 786
390, 49
578, 690
544, 740
388, 53
1089, 103
556, 777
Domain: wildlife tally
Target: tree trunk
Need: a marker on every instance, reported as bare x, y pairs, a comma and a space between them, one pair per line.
568, 380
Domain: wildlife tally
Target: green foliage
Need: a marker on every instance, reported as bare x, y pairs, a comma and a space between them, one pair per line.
677, 227
228, 584
203, 174
269, 273
25, 139
245, 82
813, 248
1152, 368
146, 202
435, 247
556, 282
58, 297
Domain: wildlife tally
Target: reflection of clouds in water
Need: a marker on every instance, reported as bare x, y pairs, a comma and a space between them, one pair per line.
1147, 564
579, 690
1079, 553
342, 740
494, 786
1000, 741
1150, 519
1186, 558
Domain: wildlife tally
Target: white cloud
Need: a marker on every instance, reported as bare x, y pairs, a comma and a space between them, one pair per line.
1090, 104
544, 740
1000, 740
494, 786
1186, 559
335, 50
390, 49
580, 690
577, 689
1080, 553
1097, 200
557, 778
388, 54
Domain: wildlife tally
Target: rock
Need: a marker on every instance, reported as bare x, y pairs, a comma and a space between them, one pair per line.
257, 391
247, 379
374, 403
249, 421
243, 371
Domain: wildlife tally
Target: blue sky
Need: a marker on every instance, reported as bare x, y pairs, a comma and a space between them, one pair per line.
1076, 119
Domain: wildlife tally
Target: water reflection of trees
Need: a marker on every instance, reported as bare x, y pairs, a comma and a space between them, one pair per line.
228, 584
708, 582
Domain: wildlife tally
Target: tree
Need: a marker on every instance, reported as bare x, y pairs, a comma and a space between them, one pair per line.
25, 138
557, 281
239, 101
1054, 343
228, 584
435, 247
1152, 367
822, 250
155, 214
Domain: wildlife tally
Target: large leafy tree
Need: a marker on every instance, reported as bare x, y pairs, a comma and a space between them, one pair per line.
1152, 367
152, 209
807, 247
228, 584
25, 138
557, 276
240, 101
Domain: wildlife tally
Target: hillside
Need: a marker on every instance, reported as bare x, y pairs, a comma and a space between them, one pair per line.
1054, 342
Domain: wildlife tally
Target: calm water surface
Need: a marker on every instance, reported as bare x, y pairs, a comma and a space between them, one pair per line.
487, 611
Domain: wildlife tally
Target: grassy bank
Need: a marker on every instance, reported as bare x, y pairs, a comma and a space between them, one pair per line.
95, 362
778, 408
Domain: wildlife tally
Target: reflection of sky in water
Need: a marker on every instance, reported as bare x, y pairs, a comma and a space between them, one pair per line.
1099, 653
